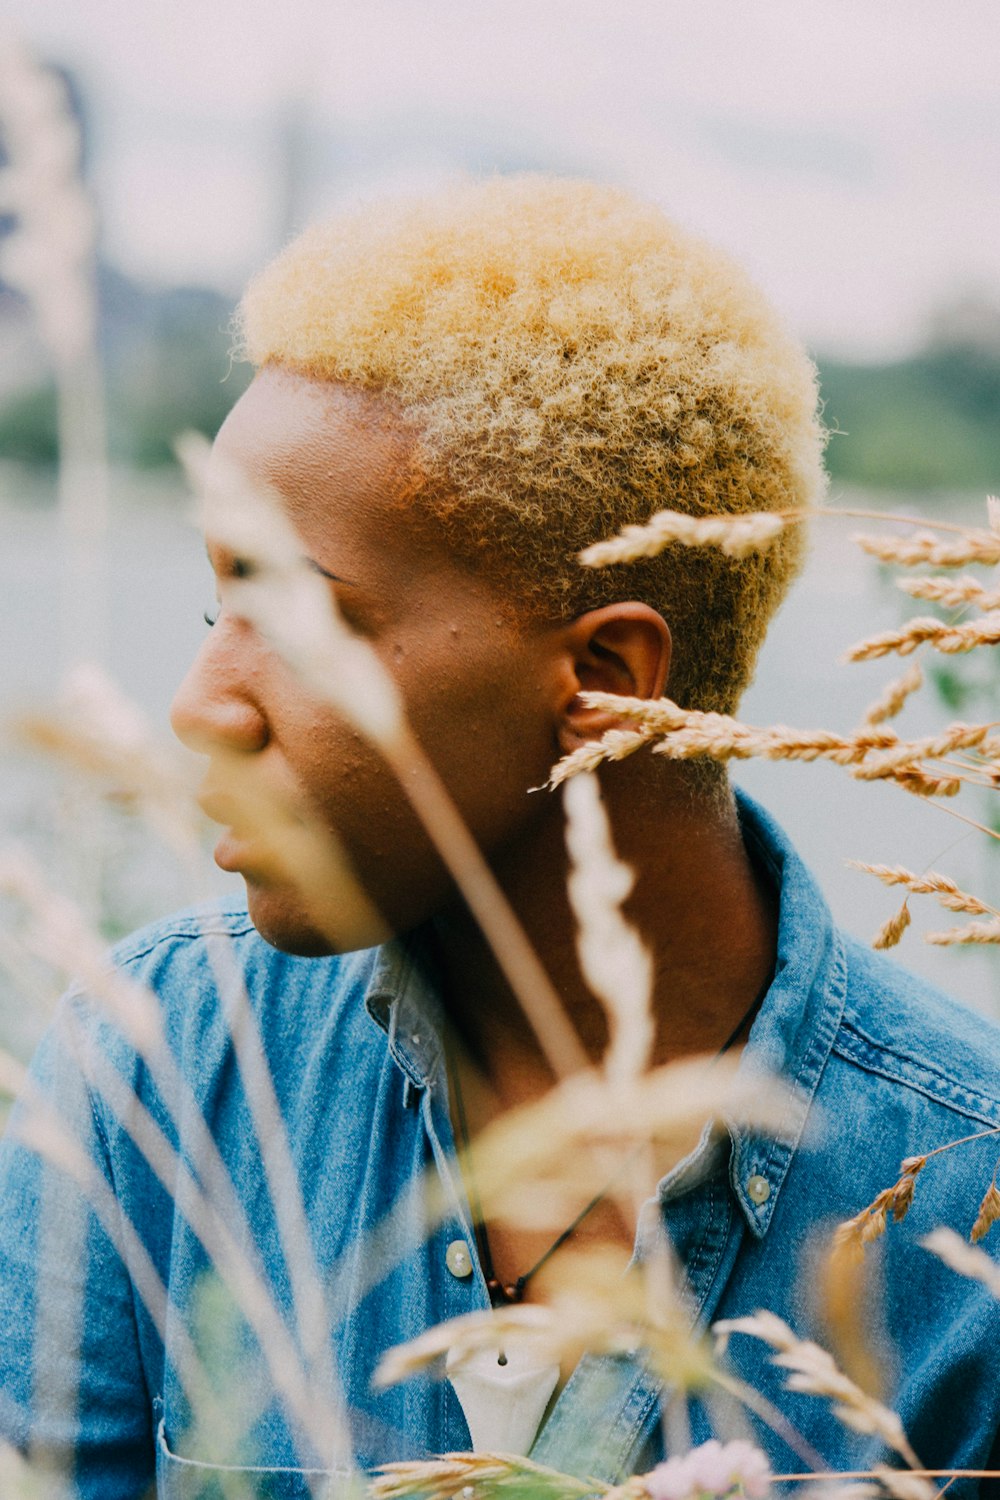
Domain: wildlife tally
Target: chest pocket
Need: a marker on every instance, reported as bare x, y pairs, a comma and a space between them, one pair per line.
187, 1479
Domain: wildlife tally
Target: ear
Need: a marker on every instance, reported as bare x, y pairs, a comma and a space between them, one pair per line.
621, 648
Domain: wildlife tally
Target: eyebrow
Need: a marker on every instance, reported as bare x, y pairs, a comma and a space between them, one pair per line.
312, 563
325, 573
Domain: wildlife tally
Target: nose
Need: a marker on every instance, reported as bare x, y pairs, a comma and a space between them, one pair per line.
215, 707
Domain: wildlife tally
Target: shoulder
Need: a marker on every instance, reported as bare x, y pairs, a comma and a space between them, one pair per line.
202, 950
900, 1028
203, 967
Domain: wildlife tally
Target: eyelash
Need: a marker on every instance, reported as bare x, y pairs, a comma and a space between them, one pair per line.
210, 616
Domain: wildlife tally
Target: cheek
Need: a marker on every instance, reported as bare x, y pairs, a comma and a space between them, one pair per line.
488, 733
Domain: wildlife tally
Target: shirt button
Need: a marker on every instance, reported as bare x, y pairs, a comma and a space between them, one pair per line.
458, 1259
758, 1189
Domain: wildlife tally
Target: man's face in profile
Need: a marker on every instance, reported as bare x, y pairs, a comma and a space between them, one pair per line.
474, 679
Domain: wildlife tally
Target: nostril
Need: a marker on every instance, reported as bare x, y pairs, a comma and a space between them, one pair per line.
214, 708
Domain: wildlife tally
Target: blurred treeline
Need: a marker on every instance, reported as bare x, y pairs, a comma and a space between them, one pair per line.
930, 421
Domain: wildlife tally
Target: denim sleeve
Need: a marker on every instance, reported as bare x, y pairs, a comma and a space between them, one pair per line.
73, 1396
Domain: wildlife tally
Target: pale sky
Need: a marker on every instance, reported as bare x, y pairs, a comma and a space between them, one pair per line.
848, 152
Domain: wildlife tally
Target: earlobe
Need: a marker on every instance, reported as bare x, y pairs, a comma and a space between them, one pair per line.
621, 648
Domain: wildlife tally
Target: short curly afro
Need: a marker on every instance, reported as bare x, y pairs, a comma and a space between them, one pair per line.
571, 362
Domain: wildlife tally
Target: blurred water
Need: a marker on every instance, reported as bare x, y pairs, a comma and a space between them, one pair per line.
160, 584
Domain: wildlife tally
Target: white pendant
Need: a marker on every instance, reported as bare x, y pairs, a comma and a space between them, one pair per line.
503, 1403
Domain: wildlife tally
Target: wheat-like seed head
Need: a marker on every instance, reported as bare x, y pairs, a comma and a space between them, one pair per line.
614, 744
891, 931
537, 1164
926, 630
989, 1212
853, 1234
893, 696
931, 883
736, 536
484, 1476
925, 547
972, 933
951, 592
593, 1307
814, 1372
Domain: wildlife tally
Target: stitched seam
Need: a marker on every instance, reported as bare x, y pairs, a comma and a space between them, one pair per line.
197, 929
723, 1242
948, 1092
780, 1150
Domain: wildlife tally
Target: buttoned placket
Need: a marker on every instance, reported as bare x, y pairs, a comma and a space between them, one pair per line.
706, 1212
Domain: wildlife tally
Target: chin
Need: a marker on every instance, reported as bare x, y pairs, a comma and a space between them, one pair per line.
280, 919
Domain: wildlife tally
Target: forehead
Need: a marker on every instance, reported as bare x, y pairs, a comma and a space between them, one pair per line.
306, 436
347, 469
343, 462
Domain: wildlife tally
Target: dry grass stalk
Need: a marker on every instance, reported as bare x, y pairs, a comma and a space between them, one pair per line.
873, 752
736, 536
60, 935
989, 1212
593, 1307
844, 1302
966, 1259
920, 784
41, 1130
895, 694
891, 931
972, 933
540, 1162
896, 1201
931, 883
95, 728
695, 733
953, 593
815, 1373
23, 1481
224, 1243
905, 754
926, 630
288, 601
904, 1486
615, 962
48, 257
290, 604
615, 744
527, 1326
925, 547
459, 1476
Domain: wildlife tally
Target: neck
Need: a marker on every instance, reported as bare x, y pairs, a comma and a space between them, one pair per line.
700, 905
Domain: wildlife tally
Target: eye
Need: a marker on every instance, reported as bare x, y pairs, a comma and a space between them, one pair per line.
211, 615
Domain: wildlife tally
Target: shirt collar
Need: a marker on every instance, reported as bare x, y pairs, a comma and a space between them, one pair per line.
403, 1000
795, 1027
791, 1036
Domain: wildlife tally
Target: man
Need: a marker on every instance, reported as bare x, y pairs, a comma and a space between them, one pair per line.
453, 397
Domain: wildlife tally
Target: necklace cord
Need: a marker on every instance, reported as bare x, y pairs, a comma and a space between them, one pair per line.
498, 1292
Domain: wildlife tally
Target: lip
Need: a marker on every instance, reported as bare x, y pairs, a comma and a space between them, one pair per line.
232, 854
217, 806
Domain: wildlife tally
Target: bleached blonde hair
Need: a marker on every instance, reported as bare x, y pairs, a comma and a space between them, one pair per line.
571, 361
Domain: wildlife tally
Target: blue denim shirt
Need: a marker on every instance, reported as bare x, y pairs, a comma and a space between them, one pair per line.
882, 1065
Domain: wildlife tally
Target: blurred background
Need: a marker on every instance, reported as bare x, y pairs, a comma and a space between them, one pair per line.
848, 155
